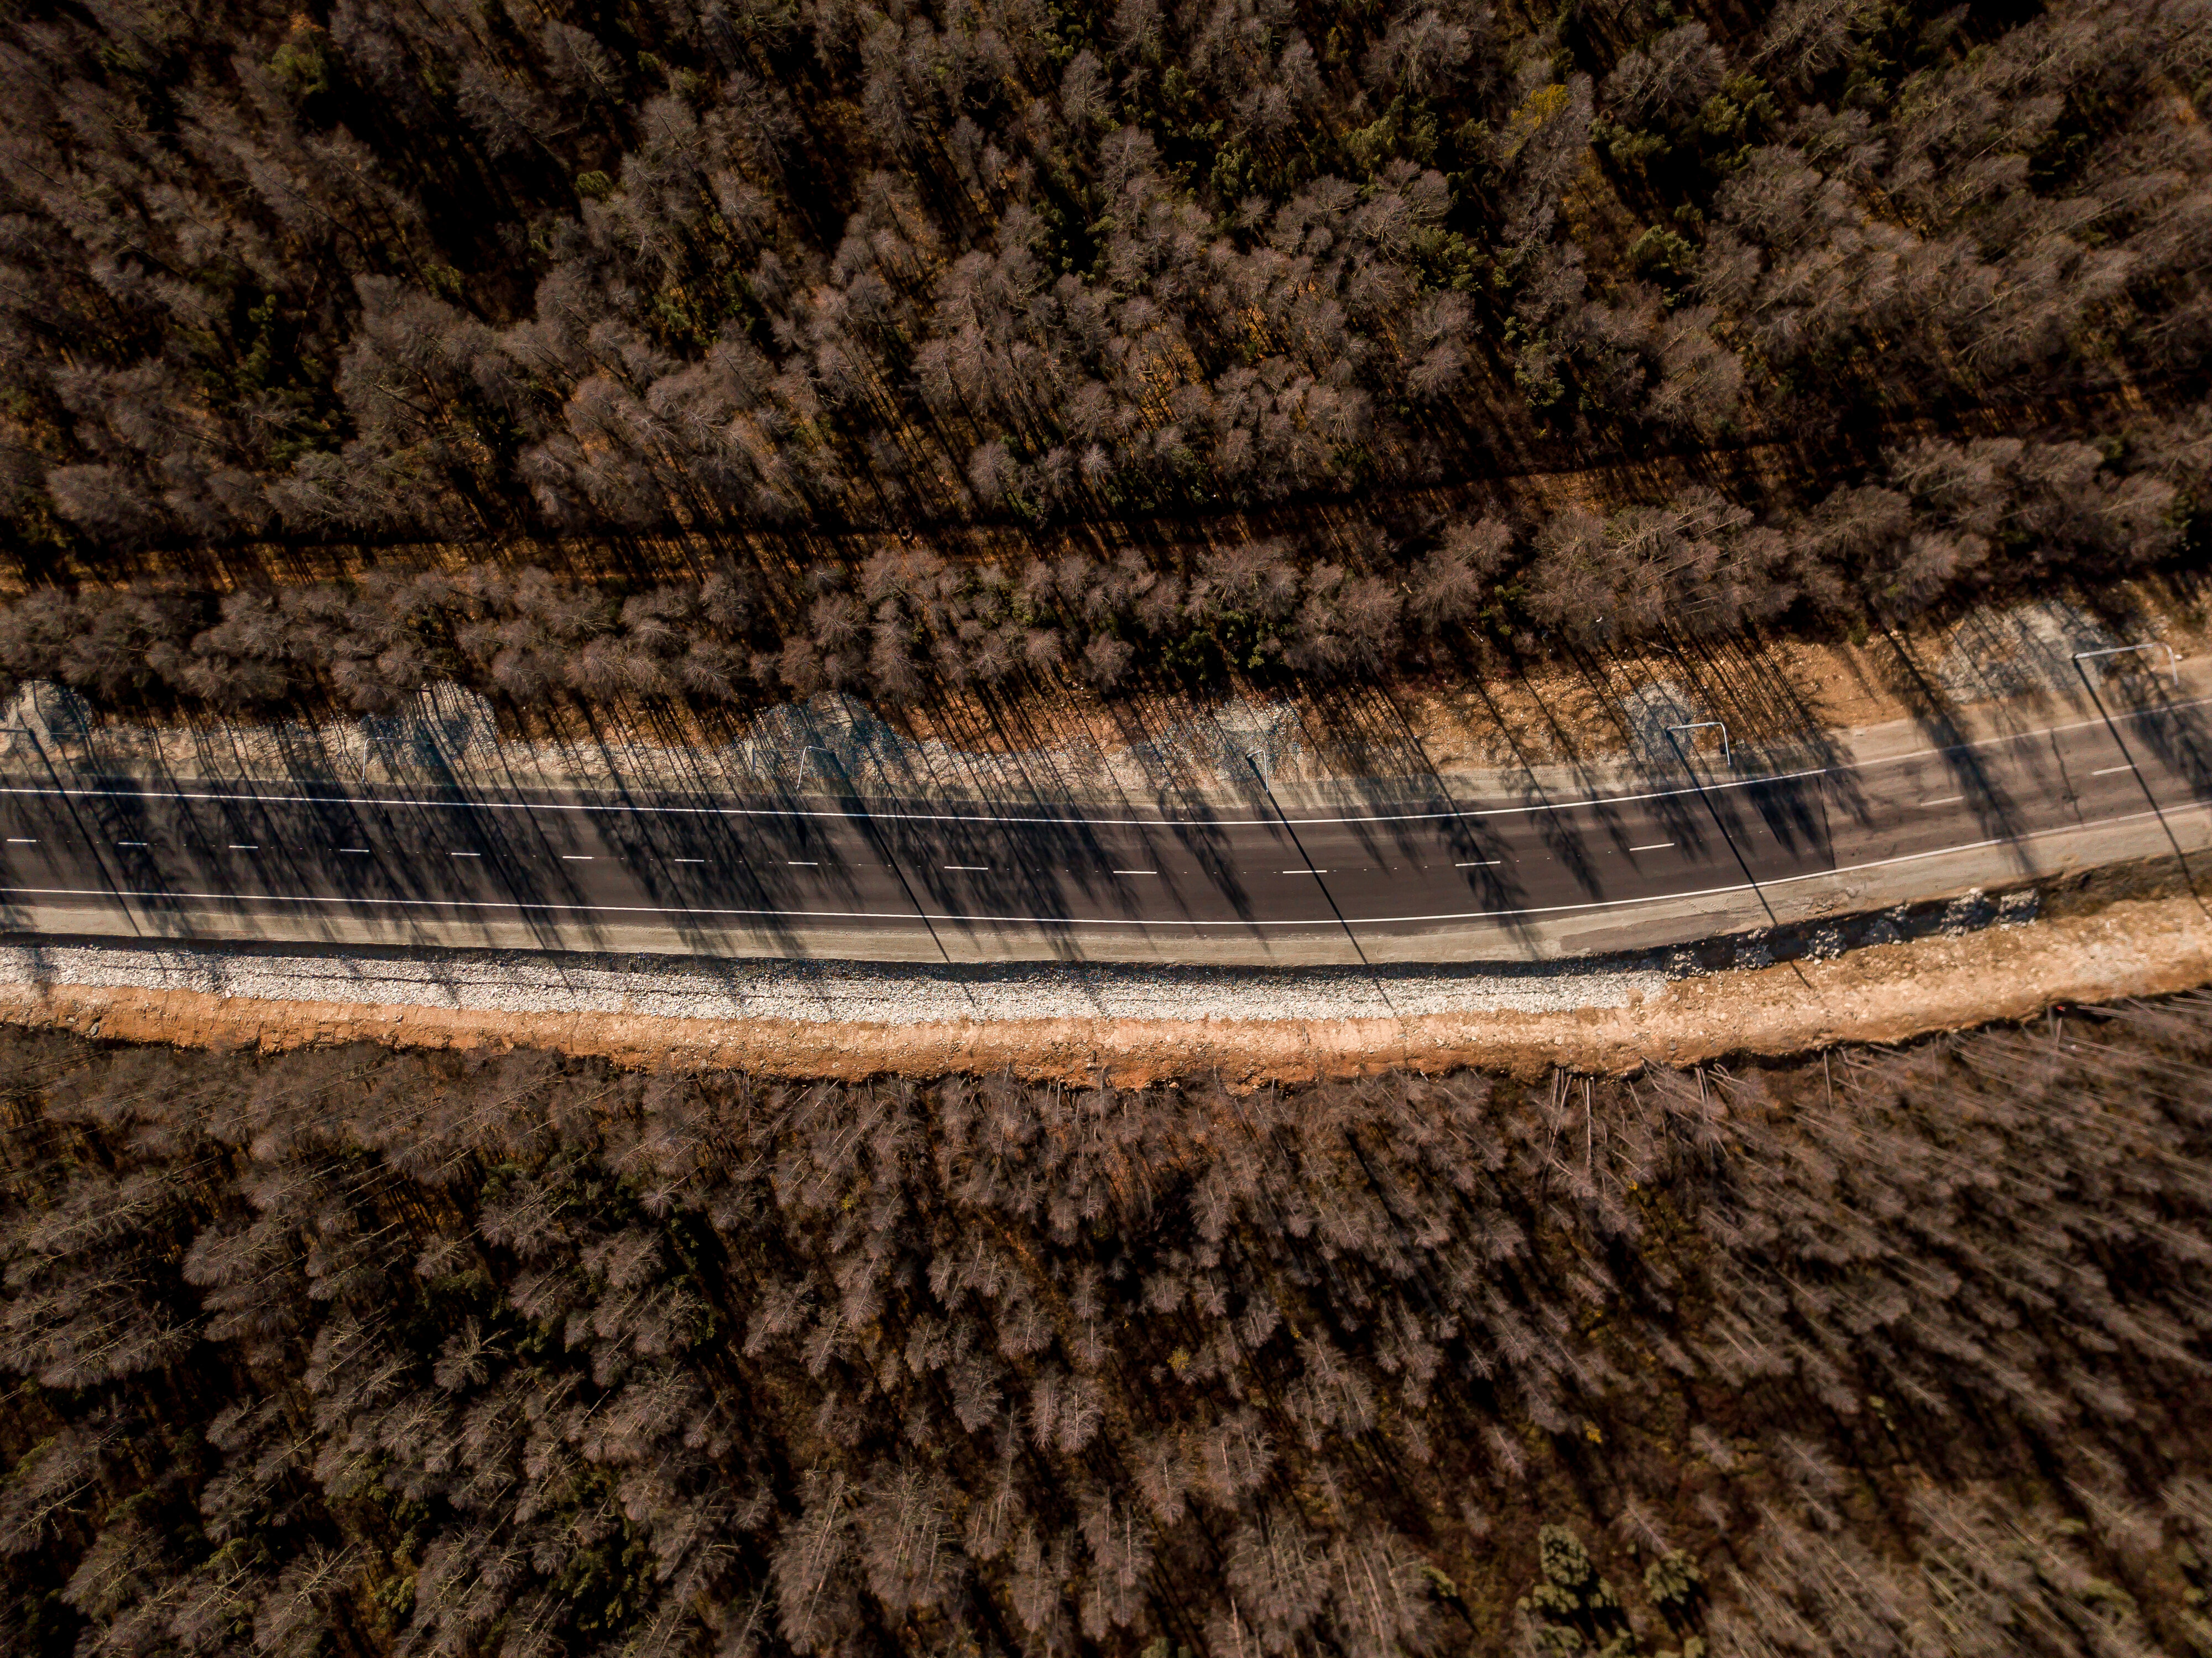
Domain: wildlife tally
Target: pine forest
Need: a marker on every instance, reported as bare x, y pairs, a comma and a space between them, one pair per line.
350, 1351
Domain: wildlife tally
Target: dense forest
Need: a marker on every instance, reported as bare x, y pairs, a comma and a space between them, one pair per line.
991, 346
448, 266
489, 271
1949, 519
357, 1352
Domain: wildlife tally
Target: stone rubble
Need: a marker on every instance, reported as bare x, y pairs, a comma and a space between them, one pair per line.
522, 981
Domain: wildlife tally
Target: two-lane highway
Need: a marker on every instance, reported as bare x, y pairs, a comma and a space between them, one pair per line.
179, 859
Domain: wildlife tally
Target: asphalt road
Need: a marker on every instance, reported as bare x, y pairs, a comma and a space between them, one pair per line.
262, 857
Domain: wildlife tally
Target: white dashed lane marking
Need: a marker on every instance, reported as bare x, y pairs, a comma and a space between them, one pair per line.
169, 896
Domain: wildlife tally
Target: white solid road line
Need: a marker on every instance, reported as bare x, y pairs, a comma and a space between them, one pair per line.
359, 851
891, 814
576, 857
1107, 921
970, 869
1030, 818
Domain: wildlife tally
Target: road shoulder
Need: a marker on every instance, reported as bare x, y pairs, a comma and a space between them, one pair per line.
2091, 952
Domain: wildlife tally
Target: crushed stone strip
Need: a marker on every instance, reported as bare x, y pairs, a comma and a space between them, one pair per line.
827, 992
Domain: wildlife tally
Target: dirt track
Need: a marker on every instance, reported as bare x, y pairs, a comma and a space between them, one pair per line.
1888, 992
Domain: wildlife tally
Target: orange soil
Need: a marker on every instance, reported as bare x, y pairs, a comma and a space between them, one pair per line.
1882, 994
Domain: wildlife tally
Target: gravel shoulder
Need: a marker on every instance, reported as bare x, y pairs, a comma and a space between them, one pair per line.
1136, 1027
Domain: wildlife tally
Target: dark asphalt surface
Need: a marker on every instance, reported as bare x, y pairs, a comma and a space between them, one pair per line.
189, 850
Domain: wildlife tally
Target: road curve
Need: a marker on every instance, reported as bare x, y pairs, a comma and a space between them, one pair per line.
767, 875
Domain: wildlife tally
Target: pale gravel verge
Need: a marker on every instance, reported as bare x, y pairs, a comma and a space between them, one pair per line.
521, 982
1943, 979
829, 992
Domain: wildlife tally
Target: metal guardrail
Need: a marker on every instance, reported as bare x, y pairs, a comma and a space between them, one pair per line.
819, 748
1727, 758
2173, 658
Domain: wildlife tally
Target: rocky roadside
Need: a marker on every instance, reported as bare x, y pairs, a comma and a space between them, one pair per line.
2125, 934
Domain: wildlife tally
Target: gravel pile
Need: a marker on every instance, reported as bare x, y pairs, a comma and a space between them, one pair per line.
823, 992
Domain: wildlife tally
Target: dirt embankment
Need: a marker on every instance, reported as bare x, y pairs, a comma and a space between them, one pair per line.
2136, 947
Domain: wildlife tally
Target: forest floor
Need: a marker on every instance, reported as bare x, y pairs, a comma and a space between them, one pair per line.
1780, 696
1565, 718
1564, 723
2133, 932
